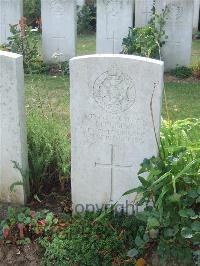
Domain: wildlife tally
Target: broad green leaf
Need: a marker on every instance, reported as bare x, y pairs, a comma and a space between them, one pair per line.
20, 217
186, 213
193, 194
152, 222
134, 190
27, 220
175, 197
196, 226
139, 242
132, 253
187, 179
161, 178
186, 232
198, 200
143, 181
187, 167
170, 232
10, 212
158, 203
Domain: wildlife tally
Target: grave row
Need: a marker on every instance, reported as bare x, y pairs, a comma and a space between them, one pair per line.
115, 123
115, 118
114, 17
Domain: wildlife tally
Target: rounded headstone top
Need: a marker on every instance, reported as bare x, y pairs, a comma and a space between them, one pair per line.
9, 54
133, 57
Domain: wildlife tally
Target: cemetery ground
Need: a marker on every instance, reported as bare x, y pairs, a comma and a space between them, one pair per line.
55, 238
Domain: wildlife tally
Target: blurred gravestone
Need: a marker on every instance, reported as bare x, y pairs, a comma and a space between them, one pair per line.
58, 30
13, 143
196, 15
115, 124
179, 21
114, 17
10, 13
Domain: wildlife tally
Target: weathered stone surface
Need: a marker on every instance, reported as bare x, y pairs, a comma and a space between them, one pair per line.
58, 30
114, 17
177, 50
196, 15
10, 13
115, 107
143, 12
13, 144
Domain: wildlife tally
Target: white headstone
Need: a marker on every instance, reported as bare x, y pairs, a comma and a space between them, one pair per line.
114, 17
143, 12
10, 13
58, 30
177, 50
196, 15
13, 143
115, 108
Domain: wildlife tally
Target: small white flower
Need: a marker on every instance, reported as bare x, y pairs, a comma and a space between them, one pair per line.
34, 30
56, 55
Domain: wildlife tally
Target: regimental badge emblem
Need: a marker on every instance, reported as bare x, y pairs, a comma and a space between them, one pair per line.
114, 91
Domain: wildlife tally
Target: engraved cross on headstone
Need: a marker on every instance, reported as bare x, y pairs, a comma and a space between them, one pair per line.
112, 166
113, 41
147, 12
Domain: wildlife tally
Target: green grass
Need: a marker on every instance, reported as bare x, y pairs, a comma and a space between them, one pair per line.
182, 101
86, 44
50, 94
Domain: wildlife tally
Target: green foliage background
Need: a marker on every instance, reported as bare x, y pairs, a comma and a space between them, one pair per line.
32, 10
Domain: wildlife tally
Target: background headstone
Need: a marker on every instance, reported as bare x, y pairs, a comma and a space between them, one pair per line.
58, 30
196, 15
143, 11
80, 2
114, 17
112, 124
13, 142
10, 13
178, 46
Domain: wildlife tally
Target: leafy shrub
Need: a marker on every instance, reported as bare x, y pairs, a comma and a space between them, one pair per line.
196, 70
86, 19
23, 225
86, 242
23, 42
49, 152
171, 193
147, 41
32, 11
182, 72
197, 35
141, 42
